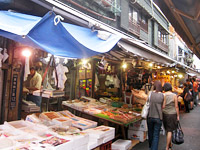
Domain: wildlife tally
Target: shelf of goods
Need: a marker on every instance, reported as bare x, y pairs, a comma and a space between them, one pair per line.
122, 116
54, 131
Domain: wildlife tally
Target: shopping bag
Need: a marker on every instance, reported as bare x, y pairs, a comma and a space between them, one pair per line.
189, 96
145, 109
178, 135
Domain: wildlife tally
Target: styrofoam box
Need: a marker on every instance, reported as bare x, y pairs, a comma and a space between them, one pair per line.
92, 145
108, 138
137, 135
63, 121
17, 124
121, 144
80, 140
100, 132
83, 147
98, 141
140, 126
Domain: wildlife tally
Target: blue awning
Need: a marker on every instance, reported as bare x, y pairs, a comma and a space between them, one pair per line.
63, 39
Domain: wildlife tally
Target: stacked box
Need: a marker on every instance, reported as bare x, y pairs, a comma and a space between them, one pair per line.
137, 135
121, 144
138, 130
100, 135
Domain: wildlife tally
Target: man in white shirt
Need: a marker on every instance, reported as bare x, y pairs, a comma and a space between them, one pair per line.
35, 84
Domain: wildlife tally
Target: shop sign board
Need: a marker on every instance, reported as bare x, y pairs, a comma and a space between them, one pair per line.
166, 78
14, 91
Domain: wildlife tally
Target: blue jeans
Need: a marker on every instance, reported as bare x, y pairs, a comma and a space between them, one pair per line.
35, 99
195, 97
154, 125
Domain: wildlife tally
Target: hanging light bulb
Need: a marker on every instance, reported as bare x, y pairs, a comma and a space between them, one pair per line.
150, 65
84, 61
180, 75
124, 65
26, 52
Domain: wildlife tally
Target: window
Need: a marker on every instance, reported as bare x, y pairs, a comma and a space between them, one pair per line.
180, 51
133, 14
162, 36
143, 18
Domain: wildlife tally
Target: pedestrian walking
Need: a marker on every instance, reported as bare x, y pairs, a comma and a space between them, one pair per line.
184, 95
170, 113
199, 90
195, 91
154, 119
190, 86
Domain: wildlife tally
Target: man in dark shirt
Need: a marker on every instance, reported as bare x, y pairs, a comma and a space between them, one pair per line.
190, 86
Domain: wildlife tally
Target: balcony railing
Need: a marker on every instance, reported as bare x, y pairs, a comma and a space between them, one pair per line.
134, 27
163, 46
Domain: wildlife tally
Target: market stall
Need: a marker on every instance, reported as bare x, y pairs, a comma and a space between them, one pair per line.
54, 131
119, 116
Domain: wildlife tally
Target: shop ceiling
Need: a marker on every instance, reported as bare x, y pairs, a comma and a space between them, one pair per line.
184, 15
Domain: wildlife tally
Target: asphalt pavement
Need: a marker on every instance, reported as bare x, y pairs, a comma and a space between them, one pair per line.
190, 123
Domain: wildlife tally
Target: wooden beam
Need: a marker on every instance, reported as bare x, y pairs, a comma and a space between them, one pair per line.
187, 15
109, 60
180, 20
198, 44
113, 56
171, 6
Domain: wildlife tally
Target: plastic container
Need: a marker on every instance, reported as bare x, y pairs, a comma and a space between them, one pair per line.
121, 144
63, 121
49, 115
18, 124
117, 104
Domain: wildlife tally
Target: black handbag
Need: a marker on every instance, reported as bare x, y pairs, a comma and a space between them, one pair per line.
189, 96
177, 135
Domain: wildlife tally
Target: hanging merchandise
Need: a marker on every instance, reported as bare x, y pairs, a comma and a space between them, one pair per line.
116, 81
96, 84
103, 64
109, 80
134, 62
61, 70
26, 68
3, 57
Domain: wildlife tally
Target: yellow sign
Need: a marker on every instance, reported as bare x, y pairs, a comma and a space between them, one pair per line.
166, 78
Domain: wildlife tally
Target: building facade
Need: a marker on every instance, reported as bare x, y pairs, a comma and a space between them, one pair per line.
140, 19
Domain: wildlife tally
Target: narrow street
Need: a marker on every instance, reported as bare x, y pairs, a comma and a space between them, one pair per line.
190, 123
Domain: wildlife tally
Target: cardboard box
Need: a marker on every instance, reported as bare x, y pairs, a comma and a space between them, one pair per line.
137, 135
112, 90
139, 126
121, 144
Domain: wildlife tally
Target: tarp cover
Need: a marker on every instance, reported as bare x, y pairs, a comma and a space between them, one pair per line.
63, 39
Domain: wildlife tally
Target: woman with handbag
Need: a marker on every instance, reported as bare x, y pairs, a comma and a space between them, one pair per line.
186, 98
170, 113
154, 119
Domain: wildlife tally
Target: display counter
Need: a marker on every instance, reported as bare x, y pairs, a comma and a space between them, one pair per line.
120, 117
54, 131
